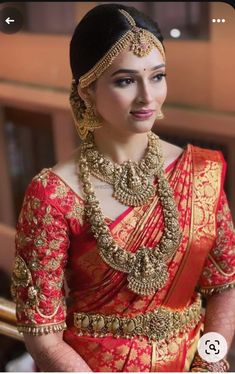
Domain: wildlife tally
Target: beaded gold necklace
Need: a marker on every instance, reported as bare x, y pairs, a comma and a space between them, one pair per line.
146, 268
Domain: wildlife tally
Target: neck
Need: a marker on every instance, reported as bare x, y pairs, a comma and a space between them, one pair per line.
120, 148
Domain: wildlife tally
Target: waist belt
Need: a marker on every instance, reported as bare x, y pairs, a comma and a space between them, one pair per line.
162, 323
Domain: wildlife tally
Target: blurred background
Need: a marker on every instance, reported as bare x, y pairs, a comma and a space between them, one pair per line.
36, 125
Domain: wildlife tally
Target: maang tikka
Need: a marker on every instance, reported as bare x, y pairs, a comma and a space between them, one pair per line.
83, 113
138, 40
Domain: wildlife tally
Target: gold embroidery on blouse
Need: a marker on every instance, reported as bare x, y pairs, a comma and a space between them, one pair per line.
32, 294
29, 215
35, 203
221, 265
42, 329
221, 243
42, 177
60, 191
21, 275
54, 285
53, 263
77, 211
48, 218
207, 272
40, 239
34, 264
21, 239
54, 244
51, 315
222, 237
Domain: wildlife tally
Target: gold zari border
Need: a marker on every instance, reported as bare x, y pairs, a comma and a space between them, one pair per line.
208, 291
156, 326
41, 329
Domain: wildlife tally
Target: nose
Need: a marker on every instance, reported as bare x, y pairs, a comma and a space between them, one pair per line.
145, 94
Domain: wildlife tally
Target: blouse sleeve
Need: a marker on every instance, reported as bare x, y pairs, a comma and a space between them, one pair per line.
42, 243
219, 269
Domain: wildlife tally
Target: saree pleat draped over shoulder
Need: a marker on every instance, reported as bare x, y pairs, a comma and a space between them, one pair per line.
106, 323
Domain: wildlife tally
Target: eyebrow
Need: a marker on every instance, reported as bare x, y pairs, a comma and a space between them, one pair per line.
135, 71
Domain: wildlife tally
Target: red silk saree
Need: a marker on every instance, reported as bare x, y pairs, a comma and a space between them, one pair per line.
54, 243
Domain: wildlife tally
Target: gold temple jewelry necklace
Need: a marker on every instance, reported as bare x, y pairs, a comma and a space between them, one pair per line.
146, 268
132, 181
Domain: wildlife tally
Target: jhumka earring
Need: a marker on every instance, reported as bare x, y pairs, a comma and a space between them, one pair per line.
83, 113
160, 115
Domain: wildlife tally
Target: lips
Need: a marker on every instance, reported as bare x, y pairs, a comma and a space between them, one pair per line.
148, 111
143, 114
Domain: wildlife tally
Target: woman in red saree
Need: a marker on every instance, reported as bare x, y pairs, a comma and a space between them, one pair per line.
108, 326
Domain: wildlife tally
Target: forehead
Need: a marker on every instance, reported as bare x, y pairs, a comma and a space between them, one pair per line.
128, 60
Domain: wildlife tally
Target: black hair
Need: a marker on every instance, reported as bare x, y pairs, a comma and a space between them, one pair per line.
98, 30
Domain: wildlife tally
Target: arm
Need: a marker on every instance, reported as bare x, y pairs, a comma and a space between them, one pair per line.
220, 315
220, 318
42, 243
52, 354
219, 274
218, 279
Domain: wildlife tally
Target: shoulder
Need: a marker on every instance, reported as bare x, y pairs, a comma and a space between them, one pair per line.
53, 176
67, 170
49, 184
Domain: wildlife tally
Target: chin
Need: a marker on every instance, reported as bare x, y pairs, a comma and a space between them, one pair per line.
142, 127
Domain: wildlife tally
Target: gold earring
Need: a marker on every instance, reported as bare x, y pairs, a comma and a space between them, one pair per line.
83, 114
160, 115
90, 118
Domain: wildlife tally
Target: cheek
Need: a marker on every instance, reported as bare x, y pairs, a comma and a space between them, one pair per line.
112, 102
165, 90
162, 93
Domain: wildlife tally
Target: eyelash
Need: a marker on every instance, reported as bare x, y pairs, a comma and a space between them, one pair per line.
121, 82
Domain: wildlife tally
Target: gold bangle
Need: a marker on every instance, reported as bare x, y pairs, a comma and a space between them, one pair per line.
220, 366
198, 369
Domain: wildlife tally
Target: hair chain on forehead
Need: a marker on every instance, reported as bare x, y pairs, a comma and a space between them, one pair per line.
138, 40
128, 16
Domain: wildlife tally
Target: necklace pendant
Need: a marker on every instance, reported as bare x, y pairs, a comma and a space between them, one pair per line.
132, 187
148, 273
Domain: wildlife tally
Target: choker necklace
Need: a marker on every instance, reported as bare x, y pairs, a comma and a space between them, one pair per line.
146, 268
131, 181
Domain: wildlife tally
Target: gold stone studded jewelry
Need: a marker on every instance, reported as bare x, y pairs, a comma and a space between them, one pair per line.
83, 114
147, 268
162, 323
132, 181
138, 40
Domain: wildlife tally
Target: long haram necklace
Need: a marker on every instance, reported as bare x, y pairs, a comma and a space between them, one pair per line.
146, 268
131, 181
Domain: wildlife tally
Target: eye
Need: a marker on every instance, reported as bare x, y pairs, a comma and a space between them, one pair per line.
123, 82
158, 77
